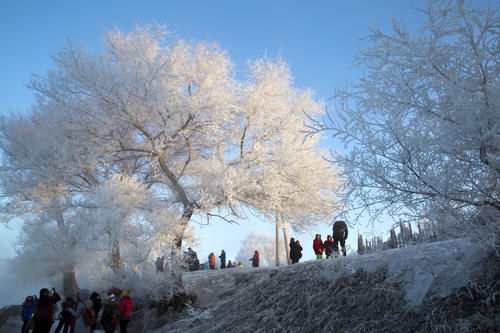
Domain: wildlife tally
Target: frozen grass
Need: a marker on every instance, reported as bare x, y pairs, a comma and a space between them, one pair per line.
354, 294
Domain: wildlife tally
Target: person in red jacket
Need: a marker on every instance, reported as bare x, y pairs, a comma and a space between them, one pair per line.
255, 259
318, 247
125, 311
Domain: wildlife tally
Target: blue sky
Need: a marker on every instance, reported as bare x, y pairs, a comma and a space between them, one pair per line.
318, 38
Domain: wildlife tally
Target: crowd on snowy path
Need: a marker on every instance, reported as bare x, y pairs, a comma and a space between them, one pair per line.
77, 316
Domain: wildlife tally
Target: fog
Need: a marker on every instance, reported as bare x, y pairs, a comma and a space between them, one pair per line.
12, 290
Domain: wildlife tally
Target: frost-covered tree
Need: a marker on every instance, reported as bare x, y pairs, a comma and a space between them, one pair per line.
39, 178
199, 138
421, 128
279, 171
187, 137
46, 174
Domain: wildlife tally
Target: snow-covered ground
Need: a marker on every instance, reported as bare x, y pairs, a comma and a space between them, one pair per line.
384, 291
361, 293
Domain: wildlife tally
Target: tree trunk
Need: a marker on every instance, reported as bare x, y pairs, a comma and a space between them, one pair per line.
69, 282
116, 257
285, 236
70, 286
184, 222
188, 206
277, 239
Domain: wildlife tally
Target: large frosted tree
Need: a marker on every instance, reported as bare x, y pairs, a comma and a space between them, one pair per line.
421, 127
178, 110
171, 117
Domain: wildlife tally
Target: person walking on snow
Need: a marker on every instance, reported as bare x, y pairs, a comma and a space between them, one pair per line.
295, 251
328, 246
255, 259
318, 247
339, 235
222, 259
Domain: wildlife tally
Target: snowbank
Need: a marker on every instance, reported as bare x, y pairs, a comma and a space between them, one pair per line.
378, 291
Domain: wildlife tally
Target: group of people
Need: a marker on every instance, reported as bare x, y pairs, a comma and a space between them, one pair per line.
76, 316
222, 257
329, 247
331, 244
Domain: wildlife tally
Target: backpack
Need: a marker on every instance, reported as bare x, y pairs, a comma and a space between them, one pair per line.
89, 317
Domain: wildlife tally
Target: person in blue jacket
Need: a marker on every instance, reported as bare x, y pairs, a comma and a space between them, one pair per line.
27, 312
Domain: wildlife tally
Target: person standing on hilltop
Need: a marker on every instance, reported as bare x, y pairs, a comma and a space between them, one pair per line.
222, 259
211, 260
295, 251
255, 259
318, 247
339, 235
328, 246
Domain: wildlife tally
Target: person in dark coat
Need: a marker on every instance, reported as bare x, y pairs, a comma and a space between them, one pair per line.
96, 305
328, 244
339, 235
159, 264
65, 317
45, 310
318, 247
194, 262
222, 259
295, 251
27, 312
255, 259
229, 264
110, 314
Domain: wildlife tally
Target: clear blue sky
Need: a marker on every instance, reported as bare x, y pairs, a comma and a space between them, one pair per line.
318, 38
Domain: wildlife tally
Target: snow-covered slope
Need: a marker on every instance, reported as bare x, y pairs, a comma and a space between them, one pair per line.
386, 291
447, 286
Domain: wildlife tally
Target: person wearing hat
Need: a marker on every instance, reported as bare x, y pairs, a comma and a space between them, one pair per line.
110, 314
126, 305
340, 233
83, 304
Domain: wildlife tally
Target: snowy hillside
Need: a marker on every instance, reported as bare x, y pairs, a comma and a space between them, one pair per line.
443, 286
395, 290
